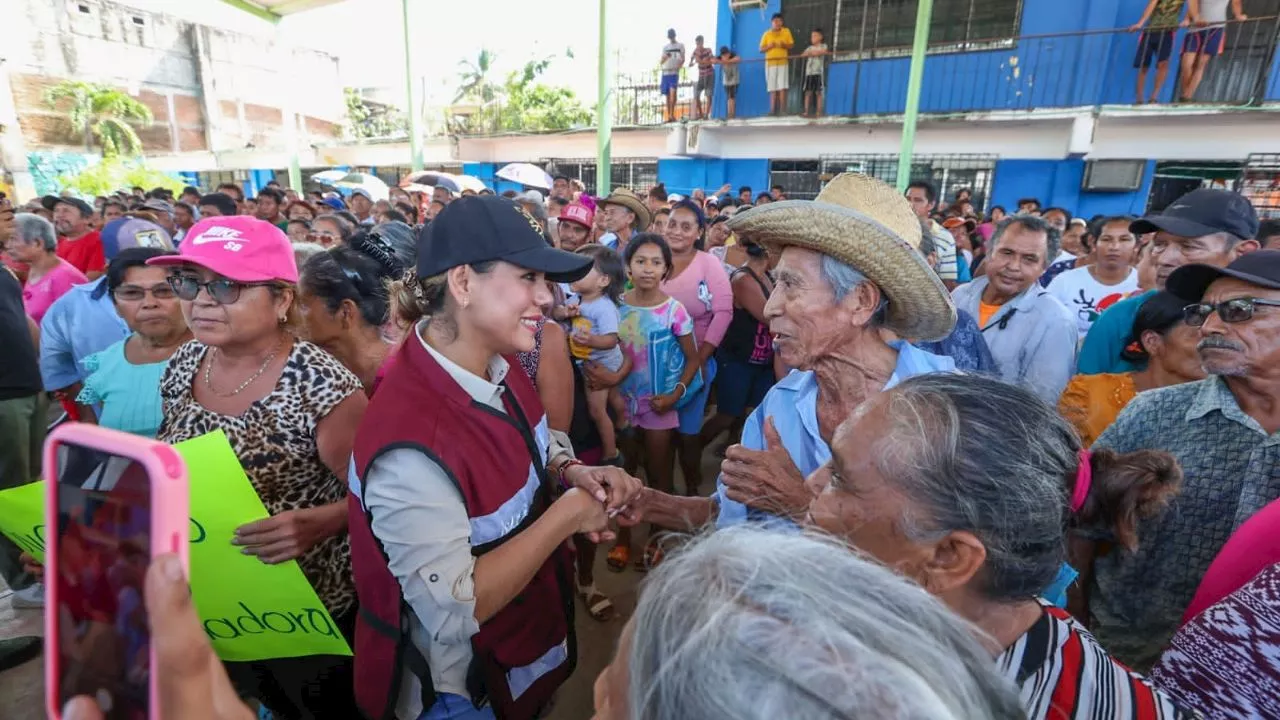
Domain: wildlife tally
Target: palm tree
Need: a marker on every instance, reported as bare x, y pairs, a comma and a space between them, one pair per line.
102, 112
476, 83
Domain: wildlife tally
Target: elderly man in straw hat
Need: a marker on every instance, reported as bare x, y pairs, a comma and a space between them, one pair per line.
625, 214
848, 267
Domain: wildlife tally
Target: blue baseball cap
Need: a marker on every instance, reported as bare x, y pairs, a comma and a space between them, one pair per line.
124, 233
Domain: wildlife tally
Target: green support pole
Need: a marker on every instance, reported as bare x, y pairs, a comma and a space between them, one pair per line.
918, 48
415, 130
604, 112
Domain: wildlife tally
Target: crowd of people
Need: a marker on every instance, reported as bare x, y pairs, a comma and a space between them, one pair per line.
1031, 456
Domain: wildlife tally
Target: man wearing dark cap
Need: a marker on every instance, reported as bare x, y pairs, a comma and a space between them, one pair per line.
1223, 432
78, 243
163, 213
1211, 227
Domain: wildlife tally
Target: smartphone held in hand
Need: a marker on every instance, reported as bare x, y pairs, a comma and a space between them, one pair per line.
113, 502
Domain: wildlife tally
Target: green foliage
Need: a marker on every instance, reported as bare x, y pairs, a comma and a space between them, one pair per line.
101, 112
477, 86
114, 173
520, 103
372, 120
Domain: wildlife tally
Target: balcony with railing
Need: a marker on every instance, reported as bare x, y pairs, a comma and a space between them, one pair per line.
1086, 69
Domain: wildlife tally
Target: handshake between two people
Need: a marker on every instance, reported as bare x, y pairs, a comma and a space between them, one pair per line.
596, 495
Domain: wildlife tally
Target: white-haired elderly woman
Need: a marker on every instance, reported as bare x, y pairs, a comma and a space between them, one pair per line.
748, 624
971, 487
848, 266
49, 277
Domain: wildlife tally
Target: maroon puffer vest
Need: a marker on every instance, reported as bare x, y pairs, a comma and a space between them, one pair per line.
527, 650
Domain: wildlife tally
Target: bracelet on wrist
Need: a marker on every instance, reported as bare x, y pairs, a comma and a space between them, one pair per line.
563, 469
682, 388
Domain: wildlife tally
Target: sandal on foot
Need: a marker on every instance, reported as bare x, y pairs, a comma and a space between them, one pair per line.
599, 606
651, 557
618, 558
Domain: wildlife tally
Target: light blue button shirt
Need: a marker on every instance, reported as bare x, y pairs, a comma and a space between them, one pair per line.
793, 405
78, 324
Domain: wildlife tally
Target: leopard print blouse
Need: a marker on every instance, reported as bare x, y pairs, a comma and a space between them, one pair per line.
275, 440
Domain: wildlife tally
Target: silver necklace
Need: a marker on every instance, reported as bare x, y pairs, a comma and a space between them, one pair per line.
214, 354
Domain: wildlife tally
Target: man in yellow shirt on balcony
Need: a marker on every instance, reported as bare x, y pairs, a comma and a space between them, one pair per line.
776, 44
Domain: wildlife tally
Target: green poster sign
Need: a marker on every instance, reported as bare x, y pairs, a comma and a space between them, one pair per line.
250, 610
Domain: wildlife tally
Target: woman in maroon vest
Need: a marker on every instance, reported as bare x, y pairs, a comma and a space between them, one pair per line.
465, 497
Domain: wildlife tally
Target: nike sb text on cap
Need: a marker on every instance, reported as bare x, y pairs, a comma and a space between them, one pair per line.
480, 228
1203, 212
237, 247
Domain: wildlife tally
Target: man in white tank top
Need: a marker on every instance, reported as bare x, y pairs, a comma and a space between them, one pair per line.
1206, 38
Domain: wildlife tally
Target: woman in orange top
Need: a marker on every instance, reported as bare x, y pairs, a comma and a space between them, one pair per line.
1161, 339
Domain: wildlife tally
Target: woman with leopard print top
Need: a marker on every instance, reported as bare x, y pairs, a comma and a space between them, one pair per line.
290, 411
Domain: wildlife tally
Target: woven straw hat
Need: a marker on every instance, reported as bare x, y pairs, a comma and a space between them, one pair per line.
633, 202
867, 224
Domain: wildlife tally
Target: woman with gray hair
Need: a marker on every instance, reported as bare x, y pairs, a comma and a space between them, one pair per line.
49, 277
746, 624
928, 479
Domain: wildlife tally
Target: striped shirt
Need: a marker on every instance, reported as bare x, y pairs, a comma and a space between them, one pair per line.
1064, 674
945, 246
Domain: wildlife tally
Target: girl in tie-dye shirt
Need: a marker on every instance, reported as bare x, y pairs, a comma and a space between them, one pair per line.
649, 315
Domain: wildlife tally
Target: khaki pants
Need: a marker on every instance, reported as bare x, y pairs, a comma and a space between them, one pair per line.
22, 427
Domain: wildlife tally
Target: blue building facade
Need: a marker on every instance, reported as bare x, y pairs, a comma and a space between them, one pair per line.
1011, 61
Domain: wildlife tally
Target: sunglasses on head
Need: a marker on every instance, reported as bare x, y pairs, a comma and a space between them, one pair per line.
1235, 310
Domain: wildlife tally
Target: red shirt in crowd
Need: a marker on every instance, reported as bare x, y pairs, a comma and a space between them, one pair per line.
85, 252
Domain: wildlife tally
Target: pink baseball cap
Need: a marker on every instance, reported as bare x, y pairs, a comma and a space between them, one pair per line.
237, 247
578, 214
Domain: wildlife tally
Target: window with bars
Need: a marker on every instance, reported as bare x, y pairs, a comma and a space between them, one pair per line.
639, 174
878, 28
948, 173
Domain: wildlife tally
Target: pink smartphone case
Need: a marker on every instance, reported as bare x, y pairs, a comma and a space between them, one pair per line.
170, 521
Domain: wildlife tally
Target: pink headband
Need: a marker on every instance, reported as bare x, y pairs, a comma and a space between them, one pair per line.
1084, 478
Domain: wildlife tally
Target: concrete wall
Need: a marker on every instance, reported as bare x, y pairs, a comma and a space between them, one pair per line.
209, 89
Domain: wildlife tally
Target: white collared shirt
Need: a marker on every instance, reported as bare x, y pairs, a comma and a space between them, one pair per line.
421, 520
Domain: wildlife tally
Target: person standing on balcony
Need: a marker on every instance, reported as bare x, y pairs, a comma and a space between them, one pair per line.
815, 70
776, 43
1156, 43
1209, 17
705, 60
730, 77
672, 61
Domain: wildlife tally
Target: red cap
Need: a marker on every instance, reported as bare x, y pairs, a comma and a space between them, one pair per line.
576, 213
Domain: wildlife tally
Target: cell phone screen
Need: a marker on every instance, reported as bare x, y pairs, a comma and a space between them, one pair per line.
104, 548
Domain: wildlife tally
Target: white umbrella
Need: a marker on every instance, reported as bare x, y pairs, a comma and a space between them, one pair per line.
526, 174
328, 177
471, 182
364, 181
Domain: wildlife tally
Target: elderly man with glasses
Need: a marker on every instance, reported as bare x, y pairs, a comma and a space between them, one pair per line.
1225, 432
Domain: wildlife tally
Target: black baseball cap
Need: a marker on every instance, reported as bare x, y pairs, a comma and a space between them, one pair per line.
479, 228
1203, 212
1261, 268
85, 208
